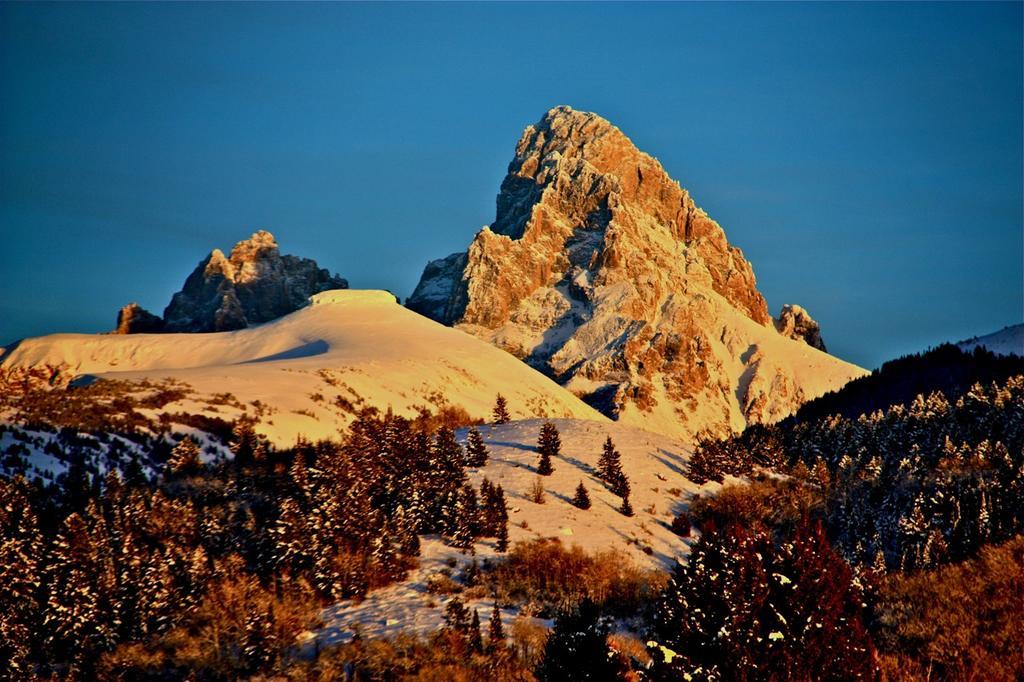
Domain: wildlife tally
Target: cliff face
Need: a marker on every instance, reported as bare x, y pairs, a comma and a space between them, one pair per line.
601, 271
254, 284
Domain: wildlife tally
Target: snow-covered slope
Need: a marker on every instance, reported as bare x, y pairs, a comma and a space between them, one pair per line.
656, 466
315, 367
1006, 341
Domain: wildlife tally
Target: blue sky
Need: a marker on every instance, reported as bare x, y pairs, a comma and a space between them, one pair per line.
866, 157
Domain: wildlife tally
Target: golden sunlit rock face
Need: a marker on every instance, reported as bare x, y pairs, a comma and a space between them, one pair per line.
254, 284
603, 272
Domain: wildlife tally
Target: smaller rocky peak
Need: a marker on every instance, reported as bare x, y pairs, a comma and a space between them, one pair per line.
796, 323
255, 284
134, 319
260, 245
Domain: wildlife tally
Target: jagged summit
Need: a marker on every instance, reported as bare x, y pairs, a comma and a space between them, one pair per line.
600, 270
254, 284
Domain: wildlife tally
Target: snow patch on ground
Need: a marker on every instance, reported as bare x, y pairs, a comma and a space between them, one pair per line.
656, 467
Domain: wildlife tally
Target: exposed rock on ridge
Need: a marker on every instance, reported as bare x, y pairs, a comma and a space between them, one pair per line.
796, 323
601, 271
254, 284
134, 319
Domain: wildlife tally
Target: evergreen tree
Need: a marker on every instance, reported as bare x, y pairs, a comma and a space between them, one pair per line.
488, 513
476, 640
405, 532
620, 486
581, 499
476, 450
745, 606
259, 641
291, 538
456, 616
75, 621
156, 598
549, 445
243, 441
494, 511
20, 561
626, 509
445, 478
500, 413
471, 576
609, 464
578, 650
466, 518
501, 544
185, 458
544, 467
609, 469
495, 631
384, 558
134, 475
261, 453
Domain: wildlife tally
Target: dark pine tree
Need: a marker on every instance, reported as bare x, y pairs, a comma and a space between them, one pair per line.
609, 469
578, 650
476, 450
501, 544
581, 499
495, 631
620, 486
549, 445
500, 413
626, 509
610, 462
456, 616
476, 640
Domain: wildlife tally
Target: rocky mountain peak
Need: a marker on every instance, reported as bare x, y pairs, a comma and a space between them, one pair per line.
134, 319
601, 271
254, 284
796, 323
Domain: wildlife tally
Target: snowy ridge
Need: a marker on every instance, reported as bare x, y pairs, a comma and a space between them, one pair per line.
1006, 341
311, 371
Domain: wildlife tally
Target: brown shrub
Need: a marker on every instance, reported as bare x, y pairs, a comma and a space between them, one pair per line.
963, 621
448, 416
544, 572
773, 502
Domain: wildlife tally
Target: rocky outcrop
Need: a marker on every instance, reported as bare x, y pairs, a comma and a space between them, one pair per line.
254, 284
602, 272
134, 319
796, 323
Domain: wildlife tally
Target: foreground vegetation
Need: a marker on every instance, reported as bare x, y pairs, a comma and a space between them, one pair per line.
879, 546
